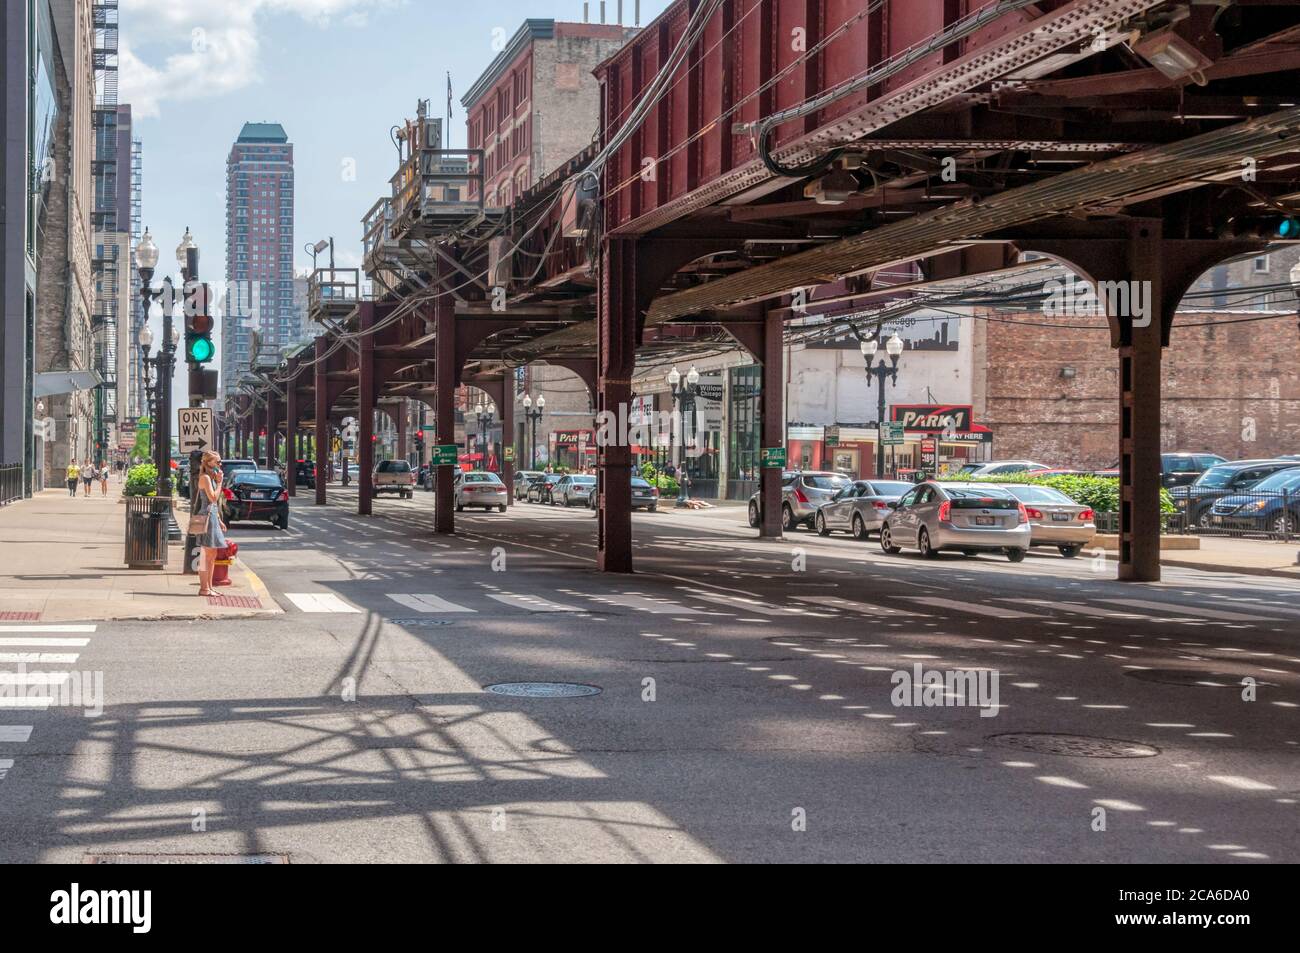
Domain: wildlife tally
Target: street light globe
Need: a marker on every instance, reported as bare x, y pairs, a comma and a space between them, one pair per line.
145, 337
674, 377
176, 335
693, 376
541, 401
868, 348
894, 346
528, 402
146, 252
490, 409
187, 242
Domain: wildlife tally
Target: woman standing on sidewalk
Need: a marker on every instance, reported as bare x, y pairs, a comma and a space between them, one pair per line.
103, 478
87, 475
74, 474
210, 497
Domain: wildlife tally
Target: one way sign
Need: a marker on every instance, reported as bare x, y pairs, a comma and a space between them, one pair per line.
194, 428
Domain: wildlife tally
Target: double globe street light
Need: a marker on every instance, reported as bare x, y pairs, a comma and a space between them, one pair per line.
894, 349
534, 416
684, 395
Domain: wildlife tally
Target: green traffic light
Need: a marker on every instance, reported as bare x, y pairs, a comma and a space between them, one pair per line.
201, 350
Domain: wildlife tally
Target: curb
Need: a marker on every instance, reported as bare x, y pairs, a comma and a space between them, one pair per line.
259, 587
1281, 573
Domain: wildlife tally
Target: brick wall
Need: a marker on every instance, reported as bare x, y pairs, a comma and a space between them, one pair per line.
1233, 389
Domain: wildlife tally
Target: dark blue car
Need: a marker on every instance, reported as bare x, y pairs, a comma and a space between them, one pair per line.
1272, 506
1225, 479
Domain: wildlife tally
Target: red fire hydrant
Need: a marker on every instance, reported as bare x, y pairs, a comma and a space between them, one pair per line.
221, 565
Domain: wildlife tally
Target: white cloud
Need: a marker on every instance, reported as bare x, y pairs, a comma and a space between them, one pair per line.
219, 41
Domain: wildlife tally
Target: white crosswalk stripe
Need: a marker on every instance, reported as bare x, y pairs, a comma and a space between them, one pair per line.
319, 602
532, 603
39, 643
1203, 613
426, 602
866, 608
50, 629
642, 603
15, 734
750, 605
1077, 607
996, 612
40, 658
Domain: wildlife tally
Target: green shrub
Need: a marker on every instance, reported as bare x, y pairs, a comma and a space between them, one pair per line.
668, 486
1101, 493
142, 480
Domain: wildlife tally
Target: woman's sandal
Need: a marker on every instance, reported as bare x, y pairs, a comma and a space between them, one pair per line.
206, 592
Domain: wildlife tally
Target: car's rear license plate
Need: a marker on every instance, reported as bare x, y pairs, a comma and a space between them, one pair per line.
1061, 517
984, 521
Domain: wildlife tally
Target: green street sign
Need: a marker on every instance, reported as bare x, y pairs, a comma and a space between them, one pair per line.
831, 436
891, 434
772, 457
510, 454
443, 455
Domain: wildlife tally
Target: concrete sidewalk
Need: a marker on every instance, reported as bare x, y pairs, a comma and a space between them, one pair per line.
63, 561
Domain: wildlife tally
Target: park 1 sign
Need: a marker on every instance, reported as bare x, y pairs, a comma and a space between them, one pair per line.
443, 455
772, 457
194, 429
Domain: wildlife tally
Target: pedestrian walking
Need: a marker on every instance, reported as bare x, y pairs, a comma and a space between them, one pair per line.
87, 475
214, 535
74, 474
103, 478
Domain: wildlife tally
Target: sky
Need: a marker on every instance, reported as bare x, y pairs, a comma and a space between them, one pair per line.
337, 74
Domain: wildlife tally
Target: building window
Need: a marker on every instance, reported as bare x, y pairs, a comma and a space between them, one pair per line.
1260, 265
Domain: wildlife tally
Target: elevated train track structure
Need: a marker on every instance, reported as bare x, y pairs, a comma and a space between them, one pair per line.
758, 161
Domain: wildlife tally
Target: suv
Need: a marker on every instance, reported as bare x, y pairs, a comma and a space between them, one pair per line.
1180, 469
802, 493
1194, 502
969, 517
394, 476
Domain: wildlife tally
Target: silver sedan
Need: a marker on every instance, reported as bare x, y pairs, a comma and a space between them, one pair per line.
969, 517
1054, 518
859, 508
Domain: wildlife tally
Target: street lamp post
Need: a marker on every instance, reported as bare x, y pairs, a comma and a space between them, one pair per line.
485, 410
534, 416
145, 340
146, 258
894, 349
684, 395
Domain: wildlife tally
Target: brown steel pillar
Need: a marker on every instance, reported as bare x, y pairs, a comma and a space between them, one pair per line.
445, 373
773, 423
322, 420
272, 428
259, 424
291, 437
366, 412
616, 336
507, 406
402, 412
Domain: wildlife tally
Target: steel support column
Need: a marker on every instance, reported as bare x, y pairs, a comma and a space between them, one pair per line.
773, 424
506, 403
322, 419
366, 411
272, 427
291, 437
616, 338
445, 374
402, 411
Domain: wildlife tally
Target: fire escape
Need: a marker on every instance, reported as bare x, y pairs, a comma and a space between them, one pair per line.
136, 408
104, 219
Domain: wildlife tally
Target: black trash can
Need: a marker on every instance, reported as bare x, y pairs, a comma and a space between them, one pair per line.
146, 531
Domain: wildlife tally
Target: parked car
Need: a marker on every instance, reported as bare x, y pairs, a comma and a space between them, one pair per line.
256, 495
394, 476
1272, 506
231, 467
802, 492
1180, 469
644, 496
305, 474
539, 491
860, 507
480, 488
573, 488
969, 517
1224, 479
1054, 518
522, 479
1000, 468
431, 476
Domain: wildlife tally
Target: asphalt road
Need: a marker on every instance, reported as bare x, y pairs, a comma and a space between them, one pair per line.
744, 710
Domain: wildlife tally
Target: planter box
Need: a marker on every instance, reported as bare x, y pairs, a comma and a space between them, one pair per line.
1110, 542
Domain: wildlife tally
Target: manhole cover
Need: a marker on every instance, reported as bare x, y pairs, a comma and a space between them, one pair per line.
1074, 746
543, 689
187, 858
1185, 676
420, 623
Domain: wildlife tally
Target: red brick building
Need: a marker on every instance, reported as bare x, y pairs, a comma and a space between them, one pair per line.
1050, 393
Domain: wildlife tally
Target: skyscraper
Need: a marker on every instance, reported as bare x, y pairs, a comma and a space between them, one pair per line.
259, 248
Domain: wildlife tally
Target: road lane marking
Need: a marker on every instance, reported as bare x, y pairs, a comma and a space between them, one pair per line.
642, 603
47, 628
865, 608
996, 612
426, 602
319, 602
1203, 613
15, 734
39, 658
45, 643
532, 603
749, 604
1081, 609
34, 678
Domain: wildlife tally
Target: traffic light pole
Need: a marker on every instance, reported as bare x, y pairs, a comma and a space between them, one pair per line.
195, 303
